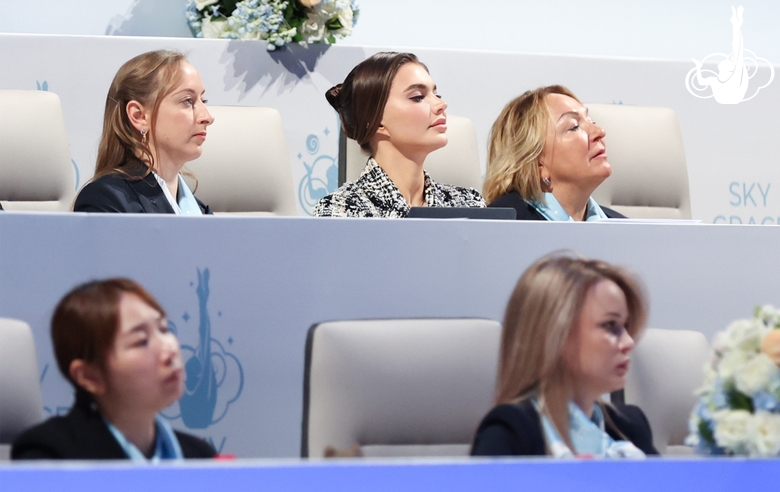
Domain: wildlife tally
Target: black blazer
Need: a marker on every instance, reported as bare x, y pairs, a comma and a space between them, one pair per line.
516, 430
82, 435
136, 193
526, 211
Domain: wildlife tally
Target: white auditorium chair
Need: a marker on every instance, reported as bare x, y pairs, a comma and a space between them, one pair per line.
20, 390
649, 174
457, 163
667, 367
36, 171
245, 165
398, 387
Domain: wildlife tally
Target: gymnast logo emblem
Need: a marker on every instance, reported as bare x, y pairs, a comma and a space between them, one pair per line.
215, 378
735, 70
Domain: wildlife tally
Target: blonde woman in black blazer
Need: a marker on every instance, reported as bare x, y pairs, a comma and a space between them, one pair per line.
568, 332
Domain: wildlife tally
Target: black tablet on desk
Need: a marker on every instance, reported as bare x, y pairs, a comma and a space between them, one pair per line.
489, 213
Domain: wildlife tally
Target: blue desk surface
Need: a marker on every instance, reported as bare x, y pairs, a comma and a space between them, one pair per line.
464, 475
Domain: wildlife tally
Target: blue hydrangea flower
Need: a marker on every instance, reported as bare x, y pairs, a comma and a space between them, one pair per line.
718, 394
764, 400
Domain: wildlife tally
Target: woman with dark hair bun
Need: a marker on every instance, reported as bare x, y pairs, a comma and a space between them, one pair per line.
155, 122
112, 343
390, 106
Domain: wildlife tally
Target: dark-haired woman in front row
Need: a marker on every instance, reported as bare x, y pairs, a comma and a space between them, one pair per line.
389, 105
154, 123
569, 329
112, 343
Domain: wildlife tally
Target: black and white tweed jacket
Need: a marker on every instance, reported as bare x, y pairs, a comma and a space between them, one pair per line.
374, 194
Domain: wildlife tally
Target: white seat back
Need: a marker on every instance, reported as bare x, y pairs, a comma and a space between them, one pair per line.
409, 387
649, 174
245, 165
666, 368
36, 171
20, 390
457, 163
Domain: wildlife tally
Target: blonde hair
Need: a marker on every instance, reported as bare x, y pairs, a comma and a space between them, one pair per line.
146, 78
515, 144
544, 308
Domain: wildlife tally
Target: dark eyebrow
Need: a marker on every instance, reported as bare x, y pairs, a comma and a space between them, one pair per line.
191, 91
576, 113
419, 86
144, 324
139, 328
614, 314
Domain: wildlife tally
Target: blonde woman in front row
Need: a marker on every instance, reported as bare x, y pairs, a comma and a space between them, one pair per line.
569, 329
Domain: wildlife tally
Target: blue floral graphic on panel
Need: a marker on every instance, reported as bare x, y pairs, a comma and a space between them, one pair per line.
322, 173
215, 378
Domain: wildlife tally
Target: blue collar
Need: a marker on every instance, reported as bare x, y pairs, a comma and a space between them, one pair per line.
587, 435
551, 209
166, 445
185, 203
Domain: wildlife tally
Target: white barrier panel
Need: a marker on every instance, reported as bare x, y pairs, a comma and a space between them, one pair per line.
270, 279
731, 150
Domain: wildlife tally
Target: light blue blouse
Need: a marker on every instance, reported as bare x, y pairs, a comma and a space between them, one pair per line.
552, 210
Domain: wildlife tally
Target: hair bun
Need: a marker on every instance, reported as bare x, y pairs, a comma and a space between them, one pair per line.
333, 96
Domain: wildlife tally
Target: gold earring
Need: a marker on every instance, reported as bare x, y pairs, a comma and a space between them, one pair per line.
143, 136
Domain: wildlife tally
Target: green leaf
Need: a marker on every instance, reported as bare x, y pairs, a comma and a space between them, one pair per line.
332, 39
705, 432
334, 24
228, 7
295, 11
295, 22
738, 400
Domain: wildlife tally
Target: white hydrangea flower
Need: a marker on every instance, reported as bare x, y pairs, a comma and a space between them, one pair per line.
755, 374
744, 334
213, 28
768, 314
732, 362
313, 30
202, 4
325, 20
731, 429
764, 432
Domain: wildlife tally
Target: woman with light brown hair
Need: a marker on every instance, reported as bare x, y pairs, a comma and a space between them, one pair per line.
546, 157
390, 105
569, 328
155, 122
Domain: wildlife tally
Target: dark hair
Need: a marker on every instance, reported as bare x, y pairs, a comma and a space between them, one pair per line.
86, 321
146, 78
360, 100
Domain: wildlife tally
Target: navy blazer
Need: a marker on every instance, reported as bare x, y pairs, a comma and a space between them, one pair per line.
526, 211
516, 430
83, 435
132, 193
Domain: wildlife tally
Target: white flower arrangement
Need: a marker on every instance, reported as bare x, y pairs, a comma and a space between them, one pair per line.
277, 22
738, 412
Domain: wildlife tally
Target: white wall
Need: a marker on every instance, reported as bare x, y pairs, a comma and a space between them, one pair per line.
642, 28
